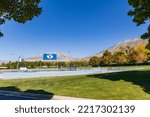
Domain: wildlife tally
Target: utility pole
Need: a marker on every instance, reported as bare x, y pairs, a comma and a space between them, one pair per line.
19, 60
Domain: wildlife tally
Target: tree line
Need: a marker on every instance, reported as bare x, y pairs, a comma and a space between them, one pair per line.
44, 64
124, 56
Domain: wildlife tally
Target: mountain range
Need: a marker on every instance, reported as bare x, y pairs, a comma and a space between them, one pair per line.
130, 43
60, 57
68, 57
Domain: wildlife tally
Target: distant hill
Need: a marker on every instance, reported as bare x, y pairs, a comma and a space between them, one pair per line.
60, 56
131, 43
67, 57
2, 61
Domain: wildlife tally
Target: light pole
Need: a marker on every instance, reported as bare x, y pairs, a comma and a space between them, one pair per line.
19, 60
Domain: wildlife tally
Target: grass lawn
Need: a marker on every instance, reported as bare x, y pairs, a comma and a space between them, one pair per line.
145, 67
124, 85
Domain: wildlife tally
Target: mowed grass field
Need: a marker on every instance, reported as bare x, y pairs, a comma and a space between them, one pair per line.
134, 85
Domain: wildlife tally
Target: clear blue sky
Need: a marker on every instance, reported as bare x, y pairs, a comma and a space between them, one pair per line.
83, 27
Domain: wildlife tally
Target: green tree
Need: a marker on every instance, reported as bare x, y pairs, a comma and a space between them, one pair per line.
141, 14
20, 11
94, 61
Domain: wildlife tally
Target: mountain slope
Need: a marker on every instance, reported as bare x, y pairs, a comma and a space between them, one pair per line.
131, 43
2, 61
60, 57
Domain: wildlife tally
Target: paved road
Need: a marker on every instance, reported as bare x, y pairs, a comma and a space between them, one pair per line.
10, 97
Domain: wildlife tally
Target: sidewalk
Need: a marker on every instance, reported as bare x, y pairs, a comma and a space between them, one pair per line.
56, 97
39, 96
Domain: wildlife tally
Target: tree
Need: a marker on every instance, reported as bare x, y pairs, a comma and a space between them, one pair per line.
107, 57
138, 55
141, 14
119, 56
20, 11
148, 45
143, 53
94, 61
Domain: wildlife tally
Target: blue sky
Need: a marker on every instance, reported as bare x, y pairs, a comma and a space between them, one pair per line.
82, 27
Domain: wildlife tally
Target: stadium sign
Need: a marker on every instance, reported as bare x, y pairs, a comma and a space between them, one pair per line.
49, 56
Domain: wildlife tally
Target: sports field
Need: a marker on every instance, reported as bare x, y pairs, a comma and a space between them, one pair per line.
122, 85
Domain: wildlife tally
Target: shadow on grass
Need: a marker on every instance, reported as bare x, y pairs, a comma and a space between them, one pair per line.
141, 78
37, 94
10, 88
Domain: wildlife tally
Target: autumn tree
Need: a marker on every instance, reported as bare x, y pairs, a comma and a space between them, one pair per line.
94, 61
143, 53
106, 58
138, 54
119, 56
126, 55
20, 11
135, 57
